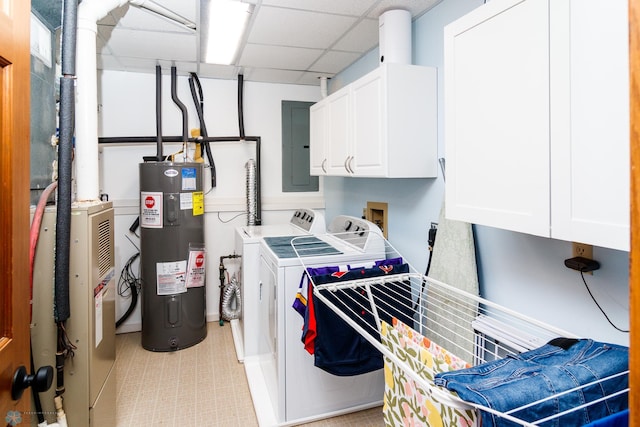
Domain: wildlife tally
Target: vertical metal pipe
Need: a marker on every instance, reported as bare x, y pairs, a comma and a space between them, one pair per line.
181, 106
68, 48
159, 113
65, 154
258, 185
240, 105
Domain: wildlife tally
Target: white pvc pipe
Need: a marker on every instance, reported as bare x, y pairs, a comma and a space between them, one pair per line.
323, 86
86, 146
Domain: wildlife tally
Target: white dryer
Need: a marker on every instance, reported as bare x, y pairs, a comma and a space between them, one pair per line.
248, 238
285, 385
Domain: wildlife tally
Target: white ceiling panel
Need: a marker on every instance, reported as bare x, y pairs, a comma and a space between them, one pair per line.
217, 71
334, 61
153, 45
289, 41
185, 8
341, 7
278, 57
362, 38
272, 76
298, 28
141, 19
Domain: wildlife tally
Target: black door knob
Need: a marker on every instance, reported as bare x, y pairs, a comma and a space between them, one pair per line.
40, 381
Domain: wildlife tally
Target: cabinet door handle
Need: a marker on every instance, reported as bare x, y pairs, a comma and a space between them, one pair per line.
324, 169
346, 164
349, 164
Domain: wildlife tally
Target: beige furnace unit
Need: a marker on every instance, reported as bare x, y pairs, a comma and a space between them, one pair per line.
89, 378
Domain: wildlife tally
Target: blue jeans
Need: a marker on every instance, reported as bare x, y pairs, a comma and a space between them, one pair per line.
515, 381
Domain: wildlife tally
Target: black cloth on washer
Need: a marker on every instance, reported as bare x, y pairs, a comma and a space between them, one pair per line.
339, 349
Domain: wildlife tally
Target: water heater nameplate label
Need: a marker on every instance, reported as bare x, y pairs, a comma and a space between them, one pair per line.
151, 209
188, 178
171, 277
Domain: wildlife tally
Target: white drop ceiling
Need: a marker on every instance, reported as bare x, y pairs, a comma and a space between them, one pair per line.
288, 41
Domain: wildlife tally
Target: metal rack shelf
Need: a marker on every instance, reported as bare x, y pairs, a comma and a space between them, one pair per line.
469, 328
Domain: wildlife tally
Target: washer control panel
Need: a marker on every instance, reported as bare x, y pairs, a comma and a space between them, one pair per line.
308, 220
356, 231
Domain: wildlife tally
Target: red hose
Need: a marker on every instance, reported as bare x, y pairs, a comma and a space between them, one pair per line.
34, 232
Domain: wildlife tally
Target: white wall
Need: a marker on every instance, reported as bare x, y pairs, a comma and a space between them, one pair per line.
523, 272
127, 108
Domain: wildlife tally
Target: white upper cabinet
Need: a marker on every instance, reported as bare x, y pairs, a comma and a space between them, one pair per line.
318, 127
537, 119
382, 125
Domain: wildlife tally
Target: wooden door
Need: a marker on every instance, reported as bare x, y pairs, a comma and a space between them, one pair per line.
14, 201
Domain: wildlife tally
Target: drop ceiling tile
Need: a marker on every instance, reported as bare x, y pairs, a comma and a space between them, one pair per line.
144, 65
342, 7
184, 8
217, 71
362, 38
278, 57
288, 27
333, 62
141, 19
153, 45
272, 75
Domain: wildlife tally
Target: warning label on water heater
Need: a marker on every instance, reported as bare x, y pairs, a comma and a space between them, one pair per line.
171, 277
150, 209
195, 266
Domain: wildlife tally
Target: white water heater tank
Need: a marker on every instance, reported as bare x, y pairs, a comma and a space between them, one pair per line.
395, 36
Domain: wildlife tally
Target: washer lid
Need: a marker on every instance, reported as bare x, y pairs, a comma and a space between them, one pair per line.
306, 246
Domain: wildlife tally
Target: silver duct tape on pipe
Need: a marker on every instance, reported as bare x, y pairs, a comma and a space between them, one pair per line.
251, 192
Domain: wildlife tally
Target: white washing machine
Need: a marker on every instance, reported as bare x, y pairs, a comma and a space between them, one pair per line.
248, 238
285, 385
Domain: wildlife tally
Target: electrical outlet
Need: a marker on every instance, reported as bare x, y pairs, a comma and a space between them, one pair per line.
582, 250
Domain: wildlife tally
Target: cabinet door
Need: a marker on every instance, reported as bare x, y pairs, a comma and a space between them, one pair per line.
497, 116
318, 138
369, 125
339, 149
590, 122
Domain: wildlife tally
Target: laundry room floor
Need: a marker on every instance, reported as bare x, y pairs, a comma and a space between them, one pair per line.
203, 385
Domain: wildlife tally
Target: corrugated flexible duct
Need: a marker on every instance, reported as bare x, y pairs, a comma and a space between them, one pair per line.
251, 192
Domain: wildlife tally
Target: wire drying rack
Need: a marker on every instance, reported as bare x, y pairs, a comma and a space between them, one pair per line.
470, 327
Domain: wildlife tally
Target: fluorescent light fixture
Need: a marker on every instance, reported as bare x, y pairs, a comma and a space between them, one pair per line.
224, 29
